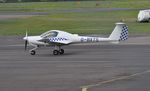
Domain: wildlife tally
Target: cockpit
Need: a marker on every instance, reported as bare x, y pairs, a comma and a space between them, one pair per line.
49, 34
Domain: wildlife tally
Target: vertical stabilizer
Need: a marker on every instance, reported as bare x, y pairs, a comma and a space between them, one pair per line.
120, 32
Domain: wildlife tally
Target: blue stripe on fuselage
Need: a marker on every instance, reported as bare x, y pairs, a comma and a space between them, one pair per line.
57, 39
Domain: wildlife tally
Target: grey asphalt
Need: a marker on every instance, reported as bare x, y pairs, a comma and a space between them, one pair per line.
81, 65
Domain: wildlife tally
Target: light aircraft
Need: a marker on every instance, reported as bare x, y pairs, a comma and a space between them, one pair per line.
59, 38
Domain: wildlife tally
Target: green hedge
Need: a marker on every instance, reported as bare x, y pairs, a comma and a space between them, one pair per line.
14, 1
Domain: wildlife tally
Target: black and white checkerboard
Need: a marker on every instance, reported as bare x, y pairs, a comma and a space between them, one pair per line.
124, 33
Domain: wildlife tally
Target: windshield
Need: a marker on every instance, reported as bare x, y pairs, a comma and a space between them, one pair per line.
49, 34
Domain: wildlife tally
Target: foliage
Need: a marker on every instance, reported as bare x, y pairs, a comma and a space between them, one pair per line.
75, 22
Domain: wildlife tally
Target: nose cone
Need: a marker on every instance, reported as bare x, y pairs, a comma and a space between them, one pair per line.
25, 38
33, 40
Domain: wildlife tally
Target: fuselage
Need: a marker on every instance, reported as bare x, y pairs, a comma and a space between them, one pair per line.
63, 38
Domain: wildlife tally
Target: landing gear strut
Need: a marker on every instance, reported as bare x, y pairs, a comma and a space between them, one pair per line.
32, 51
58, 51
55, 52
61, 51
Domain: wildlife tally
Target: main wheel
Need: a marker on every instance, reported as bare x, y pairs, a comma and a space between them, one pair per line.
149, 20
55, 52
61, 51
32, 52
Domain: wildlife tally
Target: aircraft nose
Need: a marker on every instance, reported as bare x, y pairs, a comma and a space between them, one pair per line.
25, 38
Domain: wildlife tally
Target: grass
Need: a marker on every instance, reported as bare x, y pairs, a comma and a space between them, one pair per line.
82, 22
46, 6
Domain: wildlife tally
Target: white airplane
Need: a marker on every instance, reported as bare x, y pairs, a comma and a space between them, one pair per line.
59, 38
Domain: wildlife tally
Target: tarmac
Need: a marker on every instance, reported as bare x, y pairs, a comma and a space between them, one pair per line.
83, 67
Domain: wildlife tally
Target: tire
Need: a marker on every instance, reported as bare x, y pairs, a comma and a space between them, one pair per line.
61, 51
149, 20
32, 52
55, 52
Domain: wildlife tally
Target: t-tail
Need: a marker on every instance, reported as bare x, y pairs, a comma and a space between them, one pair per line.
120, 33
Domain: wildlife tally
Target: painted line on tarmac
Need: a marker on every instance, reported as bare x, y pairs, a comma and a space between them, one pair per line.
15, 45
21, 45
85, 88
56, 61
80, 44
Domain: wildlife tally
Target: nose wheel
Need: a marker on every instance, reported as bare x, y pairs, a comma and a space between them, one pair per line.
32, 52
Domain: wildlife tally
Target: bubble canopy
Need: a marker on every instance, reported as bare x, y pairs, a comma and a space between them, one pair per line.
49, 34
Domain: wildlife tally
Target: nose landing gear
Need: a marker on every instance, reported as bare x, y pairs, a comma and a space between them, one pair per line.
32, 51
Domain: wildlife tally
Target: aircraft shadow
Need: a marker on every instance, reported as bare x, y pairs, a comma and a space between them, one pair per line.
65, 54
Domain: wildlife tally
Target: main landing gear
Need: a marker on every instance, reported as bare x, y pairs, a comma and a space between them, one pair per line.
58, 50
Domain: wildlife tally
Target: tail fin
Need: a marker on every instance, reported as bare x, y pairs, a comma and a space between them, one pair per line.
119, 33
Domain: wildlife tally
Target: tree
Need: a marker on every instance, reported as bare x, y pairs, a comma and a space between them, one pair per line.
2, 1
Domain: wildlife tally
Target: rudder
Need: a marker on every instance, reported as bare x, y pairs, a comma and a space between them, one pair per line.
124, 33
120, 32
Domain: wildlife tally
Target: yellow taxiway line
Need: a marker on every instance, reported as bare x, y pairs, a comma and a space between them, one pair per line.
85, 88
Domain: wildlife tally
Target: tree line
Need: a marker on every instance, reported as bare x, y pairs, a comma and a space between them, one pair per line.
13, 1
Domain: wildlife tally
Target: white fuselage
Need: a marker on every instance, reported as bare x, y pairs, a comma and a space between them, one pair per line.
34, 40
57, 37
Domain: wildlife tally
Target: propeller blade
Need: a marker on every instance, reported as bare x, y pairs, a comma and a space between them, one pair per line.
26, 43
26, 34
26, 40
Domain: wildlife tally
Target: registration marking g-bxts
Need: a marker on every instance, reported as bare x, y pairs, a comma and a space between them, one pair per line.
89, 39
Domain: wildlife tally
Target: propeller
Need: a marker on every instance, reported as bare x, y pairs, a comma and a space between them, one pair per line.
26, 40
26, 43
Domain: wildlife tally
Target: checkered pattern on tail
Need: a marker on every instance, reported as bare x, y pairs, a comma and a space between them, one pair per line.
124, 33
